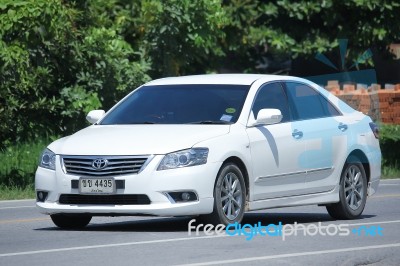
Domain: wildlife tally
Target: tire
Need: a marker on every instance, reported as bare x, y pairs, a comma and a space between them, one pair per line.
352, 191
70, 221
229, 196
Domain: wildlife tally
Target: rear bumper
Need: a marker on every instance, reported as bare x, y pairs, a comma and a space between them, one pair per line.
375, 159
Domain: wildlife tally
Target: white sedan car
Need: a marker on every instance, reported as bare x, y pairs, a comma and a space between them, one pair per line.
215, 146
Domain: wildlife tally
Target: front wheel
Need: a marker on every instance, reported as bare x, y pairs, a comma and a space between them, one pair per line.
229, 196
352, 192
70, 221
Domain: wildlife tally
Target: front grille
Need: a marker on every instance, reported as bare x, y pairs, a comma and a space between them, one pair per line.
116, 165
126, 199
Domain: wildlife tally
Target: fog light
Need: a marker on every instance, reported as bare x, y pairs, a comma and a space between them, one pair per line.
185, 196
181, 196
41, 195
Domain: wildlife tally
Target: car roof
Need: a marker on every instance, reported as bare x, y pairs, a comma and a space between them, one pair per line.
228, 79
247, 79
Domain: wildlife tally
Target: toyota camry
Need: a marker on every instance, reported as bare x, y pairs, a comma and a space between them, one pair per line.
214, 146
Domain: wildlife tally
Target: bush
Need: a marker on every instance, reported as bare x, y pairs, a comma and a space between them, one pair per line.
390, 145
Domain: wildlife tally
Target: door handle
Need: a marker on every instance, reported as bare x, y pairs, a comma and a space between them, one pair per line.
297, 134
342, 127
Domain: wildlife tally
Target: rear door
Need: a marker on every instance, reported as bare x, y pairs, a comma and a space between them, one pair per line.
323, 131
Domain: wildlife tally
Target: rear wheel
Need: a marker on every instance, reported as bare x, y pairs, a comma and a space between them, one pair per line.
229, 196
352, 192
70, 221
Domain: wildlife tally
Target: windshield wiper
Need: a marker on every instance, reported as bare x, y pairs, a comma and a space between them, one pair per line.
141, 123
211, 122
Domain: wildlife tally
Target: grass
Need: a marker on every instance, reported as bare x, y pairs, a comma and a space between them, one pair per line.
14, 193
390, 172
19, 163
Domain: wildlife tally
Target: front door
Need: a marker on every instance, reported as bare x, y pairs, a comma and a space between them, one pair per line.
277, 150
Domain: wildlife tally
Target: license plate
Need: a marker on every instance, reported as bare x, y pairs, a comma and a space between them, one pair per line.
97, 185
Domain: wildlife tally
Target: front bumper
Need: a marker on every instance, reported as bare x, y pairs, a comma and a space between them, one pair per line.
199, 179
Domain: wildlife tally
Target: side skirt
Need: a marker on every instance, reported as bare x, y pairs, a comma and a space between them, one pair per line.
310, 199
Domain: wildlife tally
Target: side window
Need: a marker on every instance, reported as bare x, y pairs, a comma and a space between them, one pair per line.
329, 108
307, 103
272, 96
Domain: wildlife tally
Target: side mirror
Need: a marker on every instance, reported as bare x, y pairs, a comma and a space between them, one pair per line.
94, 116
268, 117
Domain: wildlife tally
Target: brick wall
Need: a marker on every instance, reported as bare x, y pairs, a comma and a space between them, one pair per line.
382, 104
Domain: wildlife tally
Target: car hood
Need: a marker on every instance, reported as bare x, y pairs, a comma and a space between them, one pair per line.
135, 139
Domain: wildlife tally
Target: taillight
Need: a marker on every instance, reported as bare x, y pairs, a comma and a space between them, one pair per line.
375, 129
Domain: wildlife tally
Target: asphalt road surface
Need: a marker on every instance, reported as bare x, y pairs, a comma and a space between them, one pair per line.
29, 238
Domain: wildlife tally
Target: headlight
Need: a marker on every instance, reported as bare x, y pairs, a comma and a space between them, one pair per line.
190, 157
48, 159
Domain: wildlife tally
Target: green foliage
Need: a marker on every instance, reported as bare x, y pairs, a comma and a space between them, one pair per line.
57, 62
305, 27
103, 72
389, 133
177, 33
390, 145
59, 59
32, 35
390, 171
317, 24
16, 193
19, 163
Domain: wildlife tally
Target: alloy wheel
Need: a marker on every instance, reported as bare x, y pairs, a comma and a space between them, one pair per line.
354, 187
231, 196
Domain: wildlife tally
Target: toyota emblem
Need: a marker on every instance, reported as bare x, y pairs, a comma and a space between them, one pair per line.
99, 163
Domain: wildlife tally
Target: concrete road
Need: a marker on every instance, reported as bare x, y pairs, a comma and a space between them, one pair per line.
29, 238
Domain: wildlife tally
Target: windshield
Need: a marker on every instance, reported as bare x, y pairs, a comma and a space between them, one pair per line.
180, 104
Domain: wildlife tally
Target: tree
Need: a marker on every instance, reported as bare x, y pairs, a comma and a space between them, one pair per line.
59, 59
179, 35
306, 27
56, 60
